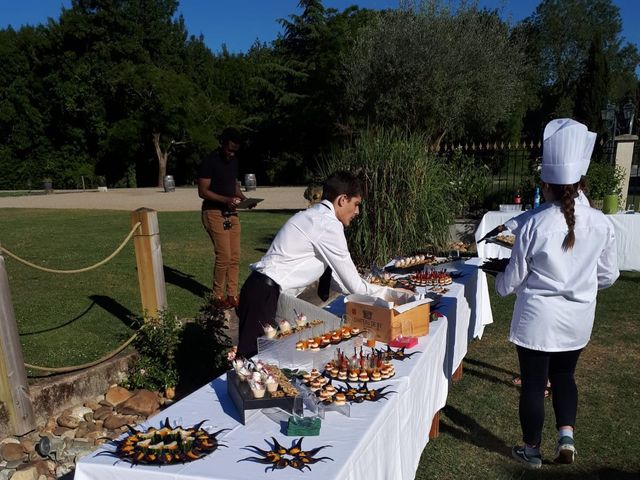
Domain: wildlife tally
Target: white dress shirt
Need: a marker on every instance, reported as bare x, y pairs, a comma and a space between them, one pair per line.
310, 241
557, 290
514, 224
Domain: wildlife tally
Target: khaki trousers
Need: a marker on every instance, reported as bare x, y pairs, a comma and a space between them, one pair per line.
226, 246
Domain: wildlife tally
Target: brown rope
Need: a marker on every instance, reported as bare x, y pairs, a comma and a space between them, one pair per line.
79, 270
86, 365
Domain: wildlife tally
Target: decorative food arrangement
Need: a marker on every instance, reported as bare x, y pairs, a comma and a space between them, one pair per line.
286, 328
263, 378
430, 278
280, 457
328, 394
333, 337
421, 259
370, 367
166, 445
460, 247
384, 278
391, 354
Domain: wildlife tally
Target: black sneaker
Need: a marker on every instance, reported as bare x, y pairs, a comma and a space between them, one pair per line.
565, 450
531, 462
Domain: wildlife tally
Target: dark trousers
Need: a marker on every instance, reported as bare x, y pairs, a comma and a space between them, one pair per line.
258, 305
535, 368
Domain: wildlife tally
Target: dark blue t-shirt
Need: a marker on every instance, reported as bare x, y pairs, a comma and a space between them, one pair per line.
223, 173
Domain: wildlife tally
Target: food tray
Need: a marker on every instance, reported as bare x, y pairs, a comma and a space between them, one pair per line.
243, 399
495, 241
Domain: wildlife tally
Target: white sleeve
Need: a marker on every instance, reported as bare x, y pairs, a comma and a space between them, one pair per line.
517, 270
334, 250
608, 261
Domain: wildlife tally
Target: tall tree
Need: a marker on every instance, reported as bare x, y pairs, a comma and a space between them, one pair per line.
432, 69
592, 90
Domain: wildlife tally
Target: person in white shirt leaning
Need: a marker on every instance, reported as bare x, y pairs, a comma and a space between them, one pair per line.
305, 247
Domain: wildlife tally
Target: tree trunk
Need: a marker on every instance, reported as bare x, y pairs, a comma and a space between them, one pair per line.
162, 159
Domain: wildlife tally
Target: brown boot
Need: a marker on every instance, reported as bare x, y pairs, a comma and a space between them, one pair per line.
232, 301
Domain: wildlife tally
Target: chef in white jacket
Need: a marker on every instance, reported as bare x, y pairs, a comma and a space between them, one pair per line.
563, 254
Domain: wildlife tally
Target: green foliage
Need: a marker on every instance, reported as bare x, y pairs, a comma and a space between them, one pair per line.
434, 70
157, 343
407, 202
470, 182
603, 179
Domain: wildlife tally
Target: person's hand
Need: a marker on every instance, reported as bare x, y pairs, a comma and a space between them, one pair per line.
232, 202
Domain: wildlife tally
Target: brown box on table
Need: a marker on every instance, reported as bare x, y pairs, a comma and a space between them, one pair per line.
386, 323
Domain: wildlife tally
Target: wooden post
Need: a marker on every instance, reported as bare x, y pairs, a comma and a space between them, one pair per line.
435, 426
14, 389
457, 375
149, 261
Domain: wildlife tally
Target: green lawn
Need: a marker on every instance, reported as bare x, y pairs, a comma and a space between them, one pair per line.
72, 319
480, 423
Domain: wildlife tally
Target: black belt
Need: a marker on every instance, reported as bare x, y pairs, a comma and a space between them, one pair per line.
265, 279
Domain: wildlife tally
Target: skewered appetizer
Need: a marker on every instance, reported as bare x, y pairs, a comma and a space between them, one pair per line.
431, 278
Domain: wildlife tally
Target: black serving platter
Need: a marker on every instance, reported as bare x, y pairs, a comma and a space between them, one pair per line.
243, 399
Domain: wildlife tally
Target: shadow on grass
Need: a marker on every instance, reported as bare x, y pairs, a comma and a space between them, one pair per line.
489, 378
185, 281
78, 317
466, 429
116, 309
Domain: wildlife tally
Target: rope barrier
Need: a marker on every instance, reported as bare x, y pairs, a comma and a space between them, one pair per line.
86, 365
79, 270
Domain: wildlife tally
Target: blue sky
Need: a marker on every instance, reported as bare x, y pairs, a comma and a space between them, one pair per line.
238, 23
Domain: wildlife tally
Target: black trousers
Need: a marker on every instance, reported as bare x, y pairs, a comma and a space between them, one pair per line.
535, 368
258, 304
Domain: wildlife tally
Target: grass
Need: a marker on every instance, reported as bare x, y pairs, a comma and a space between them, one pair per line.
70, 319
73, 319
480, 422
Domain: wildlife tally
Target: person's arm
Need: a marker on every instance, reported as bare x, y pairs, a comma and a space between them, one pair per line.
333, 248
608, 262
206, 194
239, 193
517, 270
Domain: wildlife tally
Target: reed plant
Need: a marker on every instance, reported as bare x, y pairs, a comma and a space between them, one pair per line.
407, 204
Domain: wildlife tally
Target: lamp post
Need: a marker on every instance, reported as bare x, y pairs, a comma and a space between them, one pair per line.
629, 111
608, 114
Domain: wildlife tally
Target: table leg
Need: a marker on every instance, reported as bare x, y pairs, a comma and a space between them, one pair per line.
435, 426
457, 375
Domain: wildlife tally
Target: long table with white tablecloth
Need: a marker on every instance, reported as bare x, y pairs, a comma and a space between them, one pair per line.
382, 440
626, 226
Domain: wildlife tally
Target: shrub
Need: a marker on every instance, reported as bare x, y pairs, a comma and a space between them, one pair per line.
157, 343
407, 201
603, 179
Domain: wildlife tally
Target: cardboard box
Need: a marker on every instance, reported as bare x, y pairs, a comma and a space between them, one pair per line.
397, 314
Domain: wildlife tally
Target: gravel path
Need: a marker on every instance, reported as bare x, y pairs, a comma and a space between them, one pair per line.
183, 199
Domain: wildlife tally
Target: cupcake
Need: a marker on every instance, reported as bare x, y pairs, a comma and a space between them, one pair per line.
299, 346
340, 398
285, 327
314, 347
315, 372
271, 384
324, 394
301, 320
258, 389
269, 331
316, 385
335, 338
326, 340
307, 377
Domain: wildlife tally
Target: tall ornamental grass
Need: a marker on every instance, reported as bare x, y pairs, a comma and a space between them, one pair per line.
408, 204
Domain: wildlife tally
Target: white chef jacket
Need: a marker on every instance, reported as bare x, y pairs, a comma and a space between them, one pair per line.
310, 241
557, 290
514, 224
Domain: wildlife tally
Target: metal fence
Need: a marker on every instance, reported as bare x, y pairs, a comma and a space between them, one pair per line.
512, 169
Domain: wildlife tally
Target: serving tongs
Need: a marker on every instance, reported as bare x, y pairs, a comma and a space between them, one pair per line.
499, 229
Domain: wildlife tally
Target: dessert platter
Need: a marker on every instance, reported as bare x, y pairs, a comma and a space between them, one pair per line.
285, 327
256, 385
328, 394
333, 337
506, 241
369, 367
430, 278
166, 445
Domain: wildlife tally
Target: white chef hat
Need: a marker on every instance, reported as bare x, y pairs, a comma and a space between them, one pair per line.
563, 152
590, 142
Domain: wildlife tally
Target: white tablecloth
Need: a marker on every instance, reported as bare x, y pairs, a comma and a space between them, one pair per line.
382, 440
627, 228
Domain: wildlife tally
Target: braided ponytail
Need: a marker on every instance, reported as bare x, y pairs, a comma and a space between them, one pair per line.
567, 194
